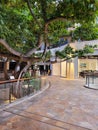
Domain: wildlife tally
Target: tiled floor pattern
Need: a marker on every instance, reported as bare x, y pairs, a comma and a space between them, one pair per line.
65, 105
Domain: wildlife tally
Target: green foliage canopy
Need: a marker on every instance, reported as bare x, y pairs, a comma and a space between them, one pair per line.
23, 21
70, 52
86, 32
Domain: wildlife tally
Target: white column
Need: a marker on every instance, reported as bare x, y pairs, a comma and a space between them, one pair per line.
7, 65
72, 68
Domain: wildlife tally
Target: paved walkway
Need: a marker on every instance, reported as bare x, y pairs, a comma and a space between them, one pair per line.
66, 105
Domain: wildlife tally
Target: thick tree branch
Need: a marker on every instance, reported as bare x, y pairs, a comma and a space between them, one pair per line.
63, 18
45, 38
43, 4
5, 44
29, 53
32, 13
17, 55
23, 59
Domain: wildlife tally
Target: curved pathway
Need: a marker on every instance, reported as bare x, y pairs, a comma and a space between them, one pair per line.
66, 105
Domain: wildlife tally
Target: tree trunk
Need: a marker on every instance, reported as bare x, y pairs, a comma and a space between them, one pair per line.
17, 70
18, 87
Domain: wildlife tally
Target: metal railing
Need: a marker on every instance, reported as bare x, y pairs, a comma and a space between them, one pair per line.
9, 91
92, 80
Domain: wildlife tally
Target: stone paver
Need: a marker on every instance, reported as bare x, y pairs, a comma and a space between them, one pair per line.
65, 105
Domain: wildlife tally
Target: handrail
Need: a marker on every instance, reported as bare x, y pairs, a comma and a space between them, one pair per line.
13, 80
92, 74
